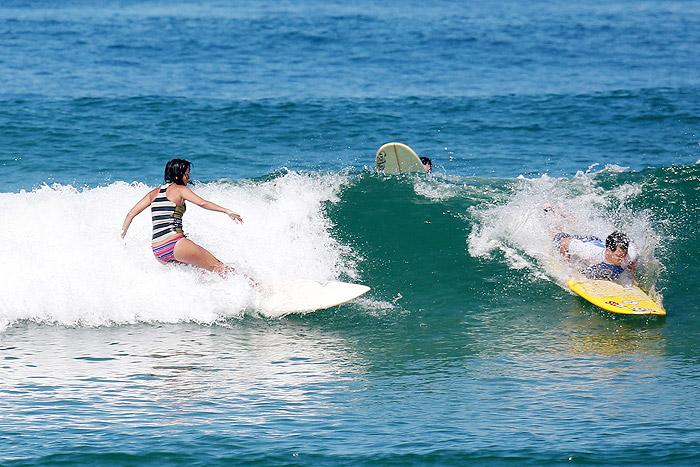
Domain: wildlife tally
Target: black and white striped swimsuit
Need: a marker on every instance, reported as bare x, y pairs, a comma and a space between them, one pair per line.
167, 225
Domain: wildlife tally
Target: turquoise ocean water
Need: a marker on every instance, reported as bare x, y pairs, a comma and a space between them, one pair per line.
468, 350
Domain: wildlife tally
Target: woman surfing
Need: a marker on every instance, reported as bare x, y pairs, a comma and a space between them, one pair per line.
167, 202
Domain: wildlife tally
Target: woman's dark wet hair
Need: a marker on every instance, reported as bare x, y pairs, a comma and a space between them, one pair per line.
175, 169
616, 239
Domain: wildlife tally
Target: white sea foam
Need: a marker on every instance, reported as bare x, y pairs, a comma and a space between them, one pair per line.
65, 263
439, 187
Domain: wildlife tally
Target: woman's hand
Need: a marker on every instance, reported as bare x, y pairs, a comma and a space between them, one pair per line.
234, 216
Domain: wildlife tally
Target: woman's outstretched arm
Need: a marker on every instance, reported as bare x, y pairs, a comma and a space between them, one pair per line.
187, 194
138, 208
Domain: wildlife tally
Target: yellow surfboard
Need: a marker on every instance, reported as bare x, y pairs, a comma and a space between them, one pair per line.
617, 298
397, 158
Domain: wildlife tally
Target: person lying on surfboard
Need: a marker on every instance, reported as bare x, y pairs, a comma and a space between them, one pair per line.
167, 204
599, 260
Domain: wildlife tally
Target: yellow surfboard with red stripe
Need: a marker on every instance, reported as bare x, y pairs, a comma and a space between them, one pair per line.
617, 298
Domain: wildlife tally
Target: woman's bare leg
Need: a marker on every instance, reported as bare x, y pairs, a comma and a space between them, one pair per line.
187, 251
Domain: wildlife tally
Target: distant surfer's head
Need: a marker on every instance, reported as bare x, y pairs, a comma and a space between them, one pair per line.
617, 239
427, 163
175, 171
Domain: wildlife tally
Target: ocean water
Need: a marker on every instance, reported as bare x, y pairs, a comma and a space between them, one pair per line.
467, 350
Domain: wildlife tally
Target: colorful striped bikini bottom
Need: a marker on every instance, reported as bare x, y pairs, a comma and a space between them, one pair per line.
166, 251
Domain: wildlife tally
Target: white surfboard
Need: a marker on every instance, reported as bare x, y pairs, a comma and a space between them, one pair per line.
397, 158
304, 295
